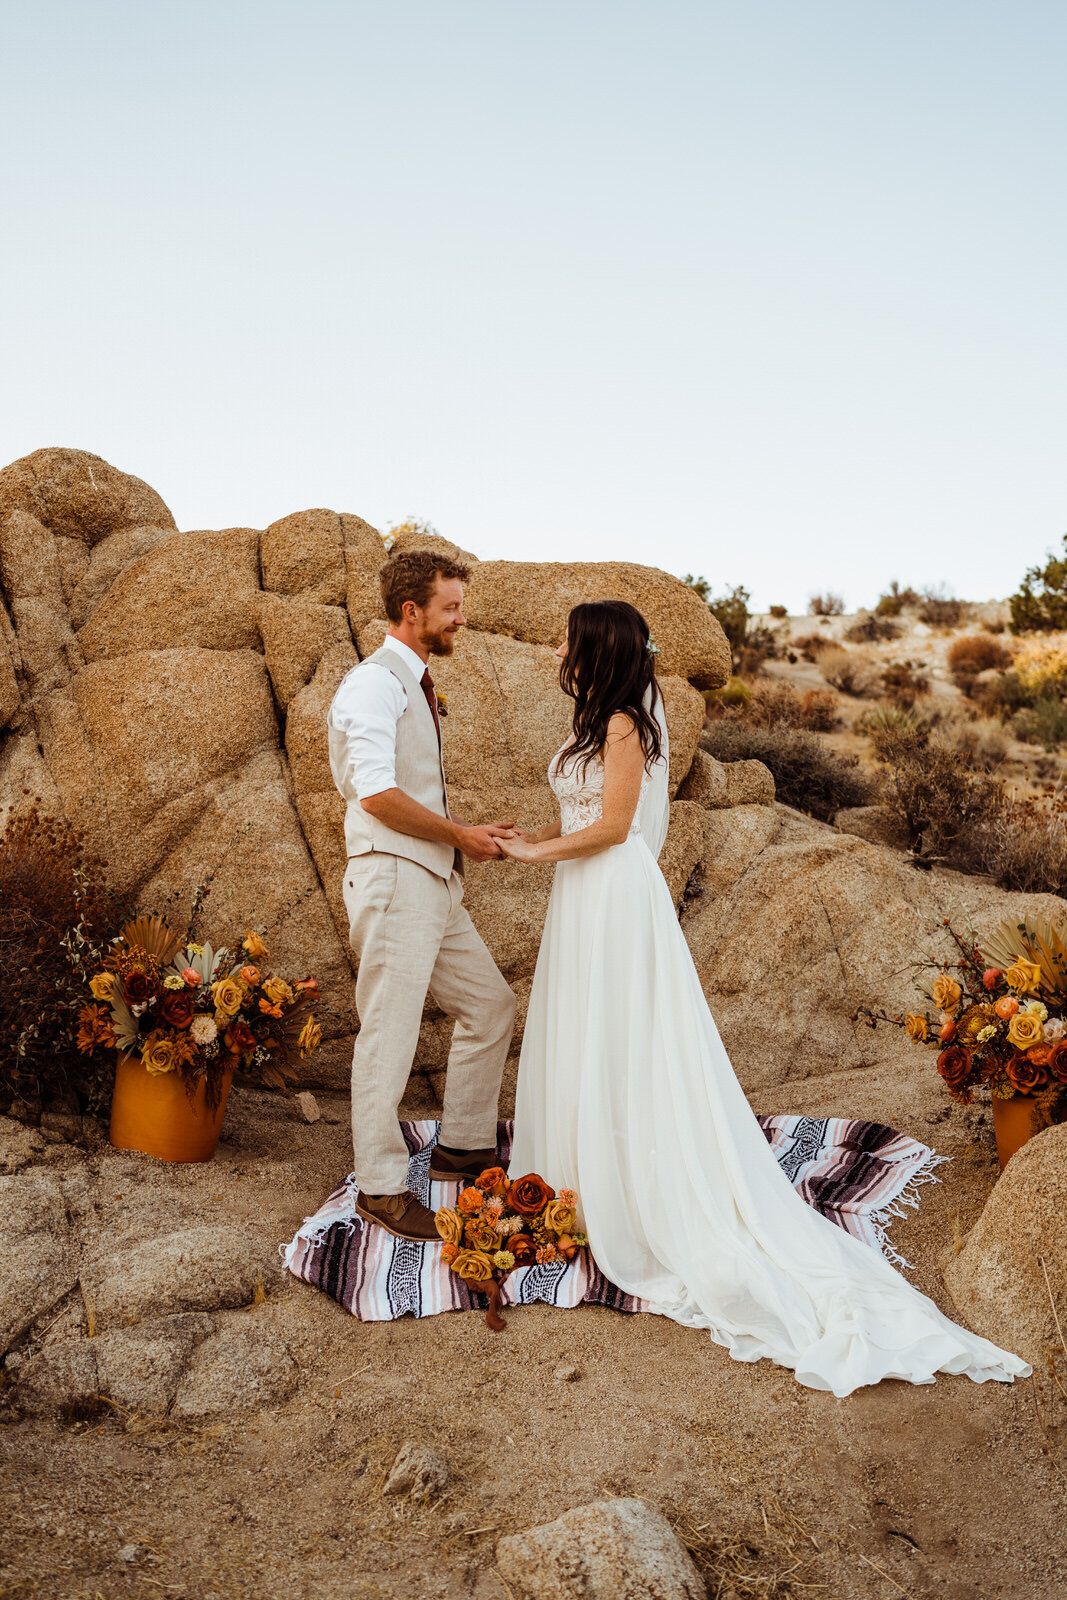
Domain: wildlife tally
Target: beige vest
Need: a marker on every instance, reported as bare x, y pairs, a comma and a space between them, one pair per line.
420, 773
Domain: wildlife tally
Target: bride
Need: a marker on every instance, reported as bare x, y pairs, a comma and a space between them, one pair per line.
626, 1094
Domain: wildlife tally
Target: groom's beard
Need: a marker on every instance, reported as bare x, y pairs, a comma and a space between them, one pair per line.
440, 644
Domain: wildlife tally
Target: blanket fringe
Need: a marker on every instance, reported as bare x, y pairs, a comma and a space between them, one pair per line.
881, 1219
313, 1230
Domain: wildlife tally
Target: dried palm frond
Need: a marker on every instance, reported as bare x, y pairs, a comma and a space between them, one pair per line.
1039, 939
152, 935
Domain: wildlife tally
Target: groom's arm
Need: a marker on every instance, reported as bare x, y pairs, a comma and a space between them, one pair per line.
400, 812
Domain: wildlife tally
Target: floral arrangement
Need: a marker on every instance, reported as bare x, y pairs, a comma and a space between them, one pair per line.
497, 1225
1001, 1016
181, 1006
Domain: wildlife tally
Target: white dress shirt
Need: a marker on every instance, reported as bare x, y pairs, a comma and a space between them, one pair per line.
362, 724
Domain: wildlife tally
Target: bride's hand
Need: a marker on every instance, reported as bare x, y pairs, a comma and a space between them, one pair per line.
520, 848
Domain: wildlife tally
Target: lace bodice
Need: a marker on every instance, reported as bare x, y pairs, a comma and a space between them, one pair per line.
581, 794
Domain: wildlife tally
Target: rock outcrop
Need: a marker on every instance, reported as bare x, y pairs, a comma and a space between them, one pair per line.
610, 1550
168, 692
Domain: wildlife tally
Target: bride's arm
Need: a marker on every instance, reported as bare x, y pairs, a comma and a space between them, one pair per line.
624, 763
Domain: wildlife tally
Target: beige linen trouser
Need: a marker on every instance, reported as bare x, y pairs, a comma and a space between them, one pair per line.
411, 933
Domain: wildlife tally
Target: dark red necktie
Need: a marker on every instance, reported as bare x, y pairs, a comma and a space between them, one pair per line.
431, 700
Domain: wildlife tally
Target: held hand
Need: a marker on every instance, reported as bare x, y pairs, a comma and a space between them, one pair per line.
520, 848
482, 843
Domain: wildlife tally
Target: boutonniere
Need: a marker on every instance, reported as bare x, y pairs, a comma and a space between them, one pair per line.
442, 703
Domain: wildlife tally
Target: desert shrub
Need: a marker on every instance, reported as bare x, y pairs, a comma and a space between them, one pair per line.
779, 612
1025, 850
807, 775
895, 599
892, 720
982, 742
734, 693
731, 609
1044, 723
811, 645
939, 799
771, 703
994, 625
869, 629
941, 611
853, 671
57, 917
903, 683
1040, 606
1002, 697
975, 653
826, 605
699, 586
1041, 666
819, 710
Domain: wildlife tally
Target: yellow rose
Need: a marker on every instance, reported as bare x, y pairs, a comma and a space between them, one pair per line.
916, 1027
474, 1264
278, 992
228, 995
254, 947
1025, 1030
559, 1218
102, 985
449, 1225
310, 1037
158, 1055
947, 993
481, 1235
1024, 977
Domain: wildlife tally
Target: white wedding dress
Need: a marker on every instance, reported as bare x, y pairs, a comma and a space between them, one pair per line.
626, 1094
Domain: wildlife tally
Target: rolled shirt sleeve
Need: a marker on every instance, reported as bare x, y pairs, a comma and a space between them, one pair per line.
362, 731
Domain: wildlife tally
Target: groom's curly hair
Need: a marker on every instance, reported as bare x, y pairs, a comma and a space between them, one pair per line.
411, 575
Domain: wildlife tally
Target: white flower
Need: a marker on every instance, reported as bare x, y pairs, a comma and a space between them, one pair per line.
1036, 1009
203, 1030
986, 1034
173, 981
1054, 1030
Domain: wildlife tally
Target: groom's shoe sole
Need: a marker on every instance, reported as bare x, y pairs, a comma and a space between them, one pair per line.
442, 1169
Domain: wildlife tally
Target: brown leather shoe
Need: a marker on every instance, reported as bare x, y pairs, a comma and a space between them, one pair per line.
399, 1214
453, 1169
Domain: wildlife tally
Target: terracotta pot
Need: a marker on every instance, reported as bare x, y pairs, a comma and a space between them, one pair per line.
1011, 1124
156, 1116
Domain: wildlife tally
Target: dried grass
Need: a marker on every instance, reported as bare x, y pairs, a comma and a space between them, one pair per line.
856, 672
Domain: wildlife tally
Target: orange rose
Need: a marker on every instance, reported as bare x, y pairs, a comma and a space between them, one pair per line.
1040, 1054
954, 1065
249, 975
946, 992
1007, 1006
470, 1202
566, 1247
449, 1225
254, 947
474, 1265
1025, 1075
480, 1235
530, 1195
991, 977
1057, 1061
494, 1181
522, 1246
239, 1037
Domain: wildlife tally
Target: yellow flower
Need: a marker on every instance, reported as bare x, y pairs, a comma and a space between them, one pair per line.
946, 992
1024, 977
916, 1027
173, 981
310, 1037
449, 1225
158, 1055
278, 992
254, 947
473, 1264
504, 1260
102, 985
987, 1033
1025, 1030
227, 994
558, 1217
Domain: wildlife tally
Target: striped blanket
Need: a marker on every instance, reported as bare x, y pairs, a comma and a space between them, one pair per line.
858, 1174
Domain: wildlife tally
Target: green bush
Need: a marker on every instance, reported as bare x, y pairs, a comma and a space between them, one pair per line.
893, 602
1044, 723
807, 775
1040, 605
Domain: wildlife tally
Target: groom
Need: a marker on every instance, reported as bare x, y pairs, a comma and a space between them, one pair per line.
403, 892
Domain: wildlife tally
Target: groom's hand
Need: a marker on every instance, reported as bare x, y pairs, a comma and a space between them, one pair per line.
480, 843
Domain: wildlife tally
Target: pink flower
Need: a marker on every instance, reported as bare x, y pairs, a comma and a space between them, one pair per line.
545, 1253
191, 977
567, 1197
494, 1208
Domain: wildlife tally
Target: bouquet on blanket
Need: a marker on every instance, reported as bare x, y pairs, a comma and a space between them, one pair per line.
497, 1224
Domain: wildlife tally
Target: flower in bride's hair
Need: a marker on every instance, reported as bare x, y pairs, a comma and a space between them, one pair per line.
470, 1202
449, 1225
473, 1264
481, 1235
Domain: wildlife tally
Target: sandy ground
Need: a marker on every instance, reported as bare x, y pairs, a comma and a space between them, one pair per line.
943, 1491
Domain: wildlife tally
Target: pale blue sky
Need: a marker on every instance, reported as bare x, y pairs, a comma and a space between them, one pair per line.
771, 290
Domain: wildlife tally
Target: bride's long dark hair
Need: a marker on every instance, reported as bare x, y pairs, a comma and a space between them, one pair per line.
608, 668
